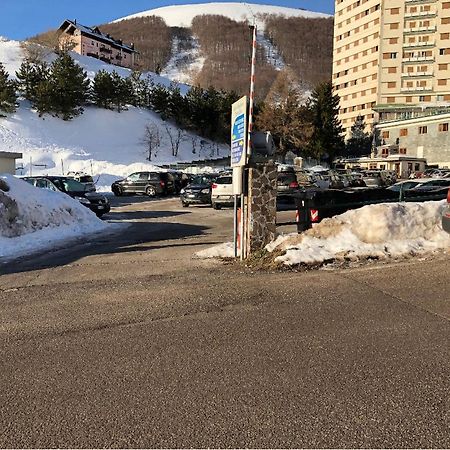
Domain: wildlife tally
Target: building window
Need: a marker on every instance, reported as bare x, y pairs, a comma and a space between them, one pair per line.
443, 127
402, 151
423, 130
385, 135
403, 132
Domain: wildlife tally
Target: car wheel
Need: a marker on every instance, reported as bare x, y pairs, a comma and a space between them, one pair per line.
216, 206
117, 191
185, 205
150, 191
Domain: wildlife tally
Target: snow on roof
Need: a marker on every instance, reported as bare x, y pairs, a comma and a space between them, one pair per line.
182, 15
97, 34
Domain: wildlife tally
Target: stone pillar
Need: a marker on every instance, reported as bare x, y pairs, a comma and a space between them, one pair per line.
262, 205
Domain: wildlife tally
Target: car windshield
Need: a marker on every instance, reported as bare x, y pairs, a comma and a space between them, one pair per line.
72, 185
202, 179
86, 179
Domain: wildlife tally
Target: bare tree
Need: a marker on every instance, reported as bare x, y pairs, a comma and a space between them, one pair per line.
35, 53
175, 136
152, 140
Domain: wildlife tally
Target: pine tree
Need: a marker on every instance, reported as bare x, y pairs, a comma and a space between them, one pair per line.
30, 75
70, 87
140, 87
8, 95
359, 142
122, 91
327, 140
158, 99
103, 89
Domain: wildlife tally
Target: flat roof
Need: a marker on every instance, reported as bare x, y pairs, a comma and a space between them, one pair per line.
10, 155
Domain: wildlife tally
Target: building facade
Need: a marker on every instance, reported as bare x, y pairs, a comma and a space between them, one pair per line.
92, 42
391, 62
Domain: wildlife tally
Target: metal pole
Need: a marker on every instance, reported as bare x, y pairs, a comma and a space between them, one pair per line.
245, 209
235, 225
252, 91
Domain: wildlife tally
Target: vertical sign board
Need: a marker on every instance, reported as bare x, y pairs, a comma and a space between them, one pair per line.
239, 133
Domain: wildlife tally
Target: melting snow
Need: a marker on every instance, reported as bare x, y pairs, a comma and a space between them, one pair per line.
373, 232
32, 219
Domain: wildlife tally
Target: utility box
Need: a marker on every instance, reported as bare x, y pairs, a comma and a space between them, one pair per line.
262, 147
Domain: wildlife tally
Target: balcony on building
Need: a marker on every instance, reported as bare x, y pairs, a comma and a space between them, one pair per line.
423, 44
416, 74
419, 30
105, 50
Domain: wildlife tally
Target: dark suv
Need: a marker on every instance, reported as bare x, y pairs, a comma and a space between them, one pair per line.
149, 183
97, 203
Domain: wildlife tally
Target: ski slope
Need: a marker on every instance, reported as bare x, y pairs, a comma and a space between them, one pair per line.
182, 15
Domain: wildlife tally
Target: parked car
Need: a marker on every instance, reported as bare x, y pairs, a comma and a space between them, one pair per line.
96, 202
148, 183
375, 178
431, 185
222, 192
405, 185
446, 215
198, 191
84, 179
287, 183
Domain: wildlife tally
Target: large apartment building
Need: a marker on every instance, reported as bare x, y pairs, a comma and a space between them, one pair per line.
391, 64
391, 57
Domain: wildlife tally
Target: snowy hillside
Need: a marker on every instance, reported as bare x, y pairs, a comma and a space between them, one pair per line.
182, 15
100, 142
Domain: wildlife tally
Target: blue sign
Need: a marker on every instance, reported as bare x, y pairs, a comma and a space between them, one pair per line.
239, 133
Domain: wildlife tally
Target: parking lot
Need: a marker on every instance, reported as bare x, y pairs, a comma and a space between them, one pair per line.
126, 340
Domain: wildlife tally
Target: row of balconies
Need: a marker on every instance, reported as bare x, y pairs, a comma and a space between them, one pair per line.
419, 44
417, 74
420, 30
416, 89
420, 14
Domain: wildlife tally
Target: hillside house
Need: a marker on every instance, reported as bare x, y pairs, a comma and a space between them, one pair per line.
92, 42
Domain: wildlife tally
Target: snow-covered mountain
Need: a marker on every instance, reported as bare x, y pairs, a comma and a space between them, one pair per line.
100, 142
182, 15
189, 63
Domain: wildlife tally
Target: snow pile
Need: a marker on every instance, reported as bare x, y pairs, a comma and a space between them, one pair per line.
225, 250
182, 15
33, 218
374, 231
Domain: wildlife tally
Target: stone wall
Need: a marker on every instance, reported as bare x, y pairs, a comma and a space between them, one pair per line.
262, 205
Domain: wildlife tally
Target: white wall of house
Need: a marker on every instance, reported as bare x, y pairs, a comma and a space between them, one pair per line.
8, 162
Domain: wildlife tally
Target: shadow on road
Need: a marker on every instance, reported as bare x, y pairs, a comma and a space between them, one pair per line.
128, 200
131, 238
136, 215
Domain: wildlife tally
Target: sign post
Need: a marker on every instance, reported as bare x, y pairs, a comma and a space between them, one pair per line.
238, 161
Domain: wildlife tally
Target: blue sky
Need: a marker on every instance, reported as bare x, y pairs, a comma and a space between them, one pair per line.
23, 18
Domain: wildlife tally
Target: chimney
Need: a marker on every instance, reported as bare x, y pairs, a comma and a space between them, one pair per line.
132, 45
75, 21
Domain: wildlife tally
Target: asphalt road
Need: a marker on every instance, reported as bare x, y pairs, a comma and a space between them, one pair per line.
129, 341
